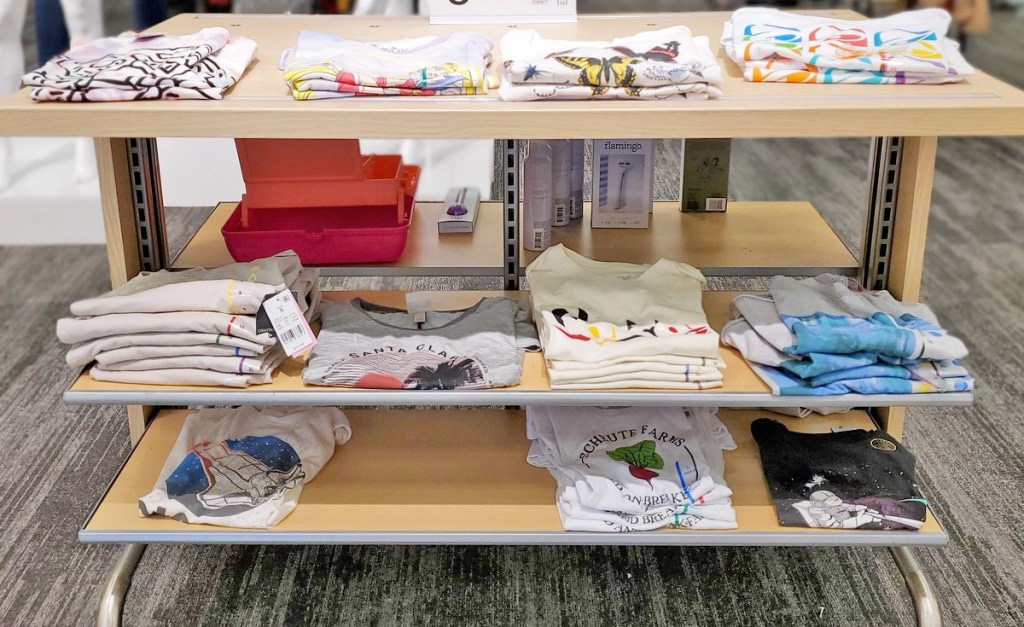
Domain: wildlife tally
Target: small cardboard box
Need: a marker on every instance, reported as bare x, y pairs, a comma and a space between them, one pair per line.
623, 183
704, 185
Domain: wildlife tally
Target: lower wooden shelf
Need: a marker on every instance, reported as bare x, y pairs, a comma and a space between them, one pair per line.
459, 477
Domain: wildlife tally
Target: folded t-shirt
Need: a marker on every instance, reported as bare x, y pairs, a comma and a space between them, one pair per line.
244, 467
186, 376
370, 346
237, 288
74, 330
141, 66
326, 65
132, 353
82, 353
846, 480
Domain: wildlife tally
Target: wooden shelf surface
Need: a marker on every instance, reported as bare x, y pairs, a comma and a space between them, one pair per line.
741, 386
764, 237
260, 105
425, 253
425, 477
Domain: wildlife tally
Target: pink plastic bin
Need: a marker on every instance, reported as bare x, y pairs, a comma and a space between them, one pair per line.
322, 199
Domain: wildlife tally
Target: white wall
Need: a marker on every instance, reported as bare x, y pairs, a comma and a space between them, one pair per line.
44, 205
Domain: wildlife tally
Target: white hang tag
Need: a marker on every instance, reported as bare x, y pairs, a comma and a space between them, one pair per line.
418, 304
290, 325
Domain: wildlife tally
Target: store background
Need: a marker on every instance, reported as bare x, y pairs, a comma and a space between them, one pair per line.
971, 461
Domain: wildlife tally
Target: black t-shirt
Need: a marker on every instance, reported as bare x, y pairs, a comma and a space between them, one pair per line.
849, 479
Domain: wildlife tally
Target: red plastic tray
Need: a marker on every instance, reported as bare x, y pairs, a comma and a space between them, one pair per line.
319, 235
322, 199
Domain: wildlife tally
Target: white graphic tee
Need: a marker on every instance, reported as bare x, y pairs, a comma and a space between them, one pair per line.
244, 467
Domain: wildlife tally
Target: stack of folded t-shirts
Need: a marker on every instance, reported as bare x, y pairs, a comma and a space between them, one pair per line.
365, 345
196, 327
244, 467
652, 65
324, 65
625, 469
911, 47
620, 325
827, 335
133, 66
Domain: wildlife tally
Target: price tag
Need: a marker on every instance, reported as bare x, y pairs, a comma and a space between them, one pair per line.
289, 324
504, 12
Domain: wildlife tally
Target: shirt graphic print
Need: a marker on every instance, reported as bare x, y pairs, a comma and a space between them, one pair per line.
368, 346
844, 480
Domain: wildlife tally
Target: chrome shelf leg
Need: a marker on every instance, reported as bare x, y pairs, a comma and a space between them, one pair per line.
925, 600
116, 586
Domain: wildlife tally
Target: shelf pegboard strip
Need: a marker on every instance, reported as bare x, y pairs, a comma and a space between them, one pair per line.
510, 179
147, 200
886, 154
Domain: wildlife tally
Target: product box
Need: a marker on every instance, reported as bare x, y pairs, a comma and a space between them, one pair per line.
459, 211
623, 183
704, 185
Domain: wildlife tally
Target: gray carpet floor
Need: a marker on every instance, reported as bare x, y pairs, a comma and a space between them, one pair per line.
57, 460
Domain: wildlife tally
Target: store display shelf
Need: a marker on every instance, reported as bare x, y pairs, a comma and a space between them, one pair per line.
426, 253
750, 239
741, 388
260, 105
459, 477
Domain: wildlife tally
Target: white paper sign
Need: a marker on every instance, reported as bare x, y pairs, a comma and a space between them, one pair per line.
501, 11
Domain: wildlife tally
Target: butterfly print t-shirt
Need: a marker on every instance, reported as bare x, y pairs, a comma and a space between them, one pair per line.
369, 346
670, 56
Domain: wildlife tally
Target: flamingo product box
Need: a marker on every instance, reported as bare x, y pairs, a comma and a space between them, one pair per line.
623, 183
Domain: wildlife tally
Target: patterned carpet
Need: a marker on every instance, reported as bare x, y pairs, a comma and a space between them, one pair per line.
58, 460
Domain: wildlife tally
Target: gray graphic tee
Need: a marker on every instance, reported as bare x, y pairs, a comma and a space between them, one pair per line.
369, 346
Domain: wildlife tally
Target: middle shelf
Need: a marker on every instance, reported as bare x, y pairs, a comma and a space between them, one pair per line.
741, 387
762, 238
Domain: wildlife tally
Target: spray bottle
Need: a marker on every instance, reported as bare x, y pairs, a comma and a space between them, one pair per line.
538, 206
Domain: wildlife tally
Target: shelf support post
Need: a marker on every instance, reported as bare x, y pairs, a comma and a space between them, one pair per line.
133, 220
902, 172
115, 586
926, 603
510, 186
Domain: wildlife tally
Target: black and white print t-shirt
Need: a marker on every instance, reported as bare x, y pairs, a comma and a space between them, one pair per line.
844, 480
369, 346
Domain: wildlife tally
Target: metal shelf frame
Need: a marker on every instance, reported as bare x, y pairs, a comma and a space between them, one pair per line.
565, 538
495, 397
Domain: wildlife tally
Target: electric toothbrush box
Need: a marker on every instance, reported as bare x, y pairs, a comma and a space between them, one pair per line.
623, 183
